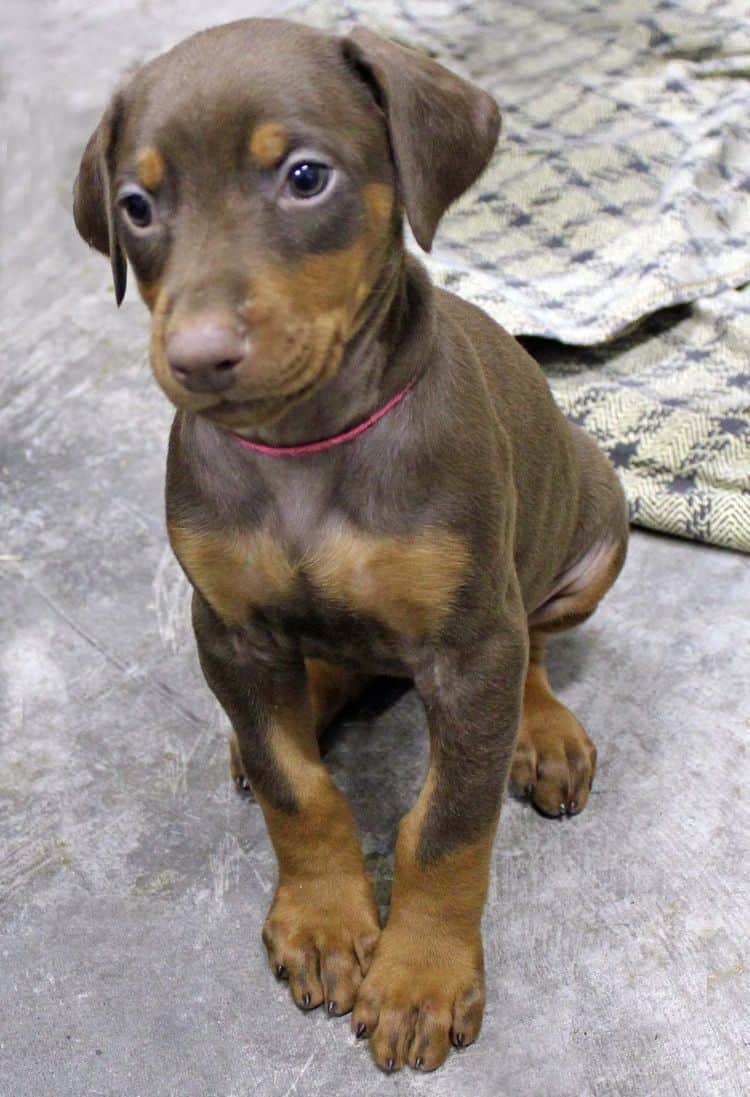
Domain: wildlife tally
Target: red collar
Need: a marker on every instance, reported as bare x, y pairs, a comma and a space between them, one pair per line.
334, 440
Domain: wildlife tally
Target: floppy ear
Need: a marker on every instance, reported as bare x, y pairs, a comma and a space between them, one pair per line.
442, 129
93, 202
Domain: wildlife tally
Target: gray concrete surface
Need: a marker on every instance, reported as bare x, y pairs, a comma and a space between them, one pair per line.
133, 880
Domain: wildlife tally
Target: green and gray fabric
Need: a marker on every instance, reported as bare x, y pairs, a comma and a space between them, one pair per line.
621, 186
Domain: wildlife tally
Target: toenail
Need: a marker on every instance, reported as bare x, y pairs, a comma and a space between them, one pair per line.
331, 1007
361, 1030
572, 806
529, 790
418, 1062
460, 1038
389, 1064
280, 971
306, 998
562, 809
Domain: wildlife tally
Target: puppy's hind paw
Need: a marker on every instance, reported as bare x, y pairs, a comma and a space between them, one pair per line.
236, 768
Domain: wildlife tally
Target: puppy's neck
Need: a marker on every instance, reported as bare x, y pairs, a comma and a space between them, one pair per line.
382, 357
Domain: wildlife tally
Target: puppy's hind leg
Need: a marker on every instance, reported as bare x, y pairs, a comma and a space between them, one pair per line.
554, 760
331, 689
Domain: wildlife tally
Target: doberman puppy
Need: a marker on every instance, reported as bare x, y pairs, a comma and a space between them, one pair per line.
366, 476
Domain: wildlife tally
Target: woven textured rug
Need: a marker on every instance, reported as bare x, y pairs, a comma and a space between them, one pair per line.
621, 186
670, 402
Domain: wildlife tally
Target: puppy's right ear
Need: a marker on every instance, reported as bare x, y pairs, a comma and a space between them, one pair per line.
93, 201
442, 128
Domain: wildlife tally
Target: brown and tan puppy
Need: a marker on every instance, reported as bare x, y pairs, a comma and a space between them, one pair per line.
256, 179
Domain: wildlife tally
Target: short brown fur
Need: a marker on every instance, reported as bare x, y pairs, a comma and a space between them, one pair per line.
442, 544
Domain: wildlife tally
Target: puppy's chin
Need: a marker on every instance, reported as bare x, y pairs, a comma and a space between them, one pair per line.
246, 416
243, 417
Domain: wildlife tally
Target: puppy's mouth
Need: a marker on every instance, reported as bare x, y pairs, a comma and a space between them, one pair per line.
240, 413
237, 414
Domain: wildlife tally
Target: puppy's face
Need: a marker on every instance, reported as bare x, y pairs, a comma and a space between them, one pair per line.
249, 177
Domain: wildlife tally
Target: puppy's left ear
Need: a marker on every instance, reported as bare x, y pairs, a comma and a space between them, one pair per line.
93, 201
442, 129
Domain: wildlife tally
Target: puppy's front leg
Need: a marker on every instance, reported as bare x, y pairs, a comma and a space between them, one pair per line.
426, 984
323, 923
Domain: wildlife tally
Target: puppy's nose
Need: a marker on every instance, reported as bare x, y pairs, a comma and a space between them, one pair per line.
204, 351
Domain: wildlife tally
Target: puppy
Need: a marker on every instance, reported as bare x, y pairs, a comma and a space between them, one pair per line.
366, 476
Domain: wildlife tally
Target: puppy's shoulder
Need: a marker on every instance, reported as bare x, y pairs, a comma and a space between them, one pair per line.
495, 347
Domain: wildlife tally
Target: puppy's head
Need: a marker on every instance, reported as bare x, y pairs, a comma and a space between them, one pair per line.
254, 177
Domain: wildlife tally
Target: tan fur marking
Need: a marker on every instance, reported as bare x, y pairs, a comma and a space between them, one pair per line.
426, 982
324, 906
408, 584
331, 286
235, 574
554, 760
150, 168
379, 202
268, 143
303, 312
454, 888
315, 287
149, 292
331, 688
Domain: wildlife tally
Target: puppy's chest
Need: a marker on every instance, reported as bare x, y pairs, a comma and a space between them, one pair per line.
405, 585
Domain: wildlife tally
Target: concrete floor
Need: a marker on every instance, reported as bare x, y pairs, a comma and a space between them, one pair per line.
133, 880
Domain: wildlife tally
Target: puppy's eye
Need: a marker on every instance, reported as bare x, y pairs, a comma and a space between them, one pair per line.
138, 208
307, 178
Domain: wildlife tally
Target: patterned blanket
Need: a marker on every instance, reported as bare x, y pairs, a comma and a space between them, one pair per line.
621, 186
670, 403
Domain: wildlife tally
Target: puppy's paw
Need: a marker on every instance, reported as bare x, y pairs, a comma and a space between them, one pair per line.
320, 934
236, 768
554, 760
421, 995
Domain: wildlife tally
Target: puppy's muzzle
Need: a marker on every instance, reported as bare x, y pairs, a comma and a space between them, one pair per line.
205, 351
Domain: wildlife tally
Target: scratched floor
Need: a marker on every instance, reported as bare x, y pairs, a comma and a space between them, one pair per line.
133, 880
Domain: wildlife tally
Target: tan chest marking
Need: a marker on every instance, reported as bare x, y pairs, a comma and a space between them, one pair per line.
408, 584
235, 574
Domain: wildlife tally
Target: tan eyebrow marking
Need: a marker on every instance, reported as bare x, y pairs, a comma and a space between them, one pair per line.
268, 143
150, 167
